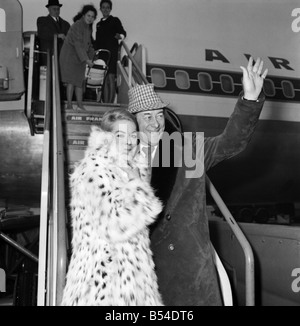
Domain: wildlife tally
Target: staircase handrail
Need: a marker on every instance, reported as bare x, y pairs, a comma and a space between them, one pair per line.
45, 192
125, 58
248, 253
59, 209
135, 64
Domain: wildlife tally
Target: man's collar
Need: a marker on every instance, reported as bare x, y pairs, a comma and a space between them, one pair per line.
153, 149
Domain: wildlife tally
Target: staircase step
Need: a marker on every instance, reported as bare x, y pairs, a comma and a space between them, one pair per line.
80, 122
94, 107
82, 118
75, 146
77, 129
76, 141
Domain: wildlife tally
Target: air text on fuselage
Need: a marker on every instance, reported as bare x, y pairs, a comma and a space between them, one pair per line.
215, 55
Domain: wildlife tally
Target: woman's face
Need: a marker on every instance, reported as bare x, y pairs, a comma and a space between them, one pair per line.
126, 137
89, 17
105, 9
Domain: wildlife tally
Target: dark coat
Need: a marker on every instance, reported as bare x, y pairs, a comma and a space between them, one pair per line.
46, 29
180, 238
105, 39
76, 50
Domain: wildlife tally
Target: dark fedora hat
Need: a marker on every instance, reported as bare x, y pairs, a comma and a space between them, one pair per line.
53, 3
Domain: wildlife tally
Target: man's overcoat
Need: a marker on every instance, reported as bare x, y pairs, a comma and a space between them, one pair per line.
180, 239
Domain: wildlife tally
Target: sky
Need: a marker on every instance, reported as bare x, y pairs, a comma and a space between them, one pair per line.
235, 26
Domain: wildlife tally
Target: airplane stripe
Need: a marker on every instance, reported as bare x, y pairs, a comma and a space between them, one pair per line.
276, 88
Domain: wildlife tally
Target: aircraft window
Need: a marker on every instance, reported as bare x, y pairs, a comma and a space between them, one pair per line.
182, 79
2, 20
205, 82
288, 89
158, 77
269, 88
227, 83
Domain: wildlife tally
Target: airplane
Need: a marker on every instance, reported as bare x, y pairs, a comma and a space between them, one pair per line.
192, 52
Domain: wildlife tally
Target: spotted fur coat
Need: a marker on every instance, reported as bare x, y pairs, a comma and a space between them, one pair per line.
111, 261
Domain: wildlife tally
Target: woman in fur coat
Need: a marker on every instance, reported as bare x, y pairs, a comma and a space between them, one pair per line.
112, 205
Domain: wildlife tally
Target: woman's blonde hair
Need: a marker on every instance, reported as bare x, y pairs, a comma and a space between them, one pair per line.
111, 116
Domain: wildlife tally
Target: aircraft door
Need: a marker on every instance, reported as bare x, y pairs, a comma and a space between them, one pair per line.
11, 56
